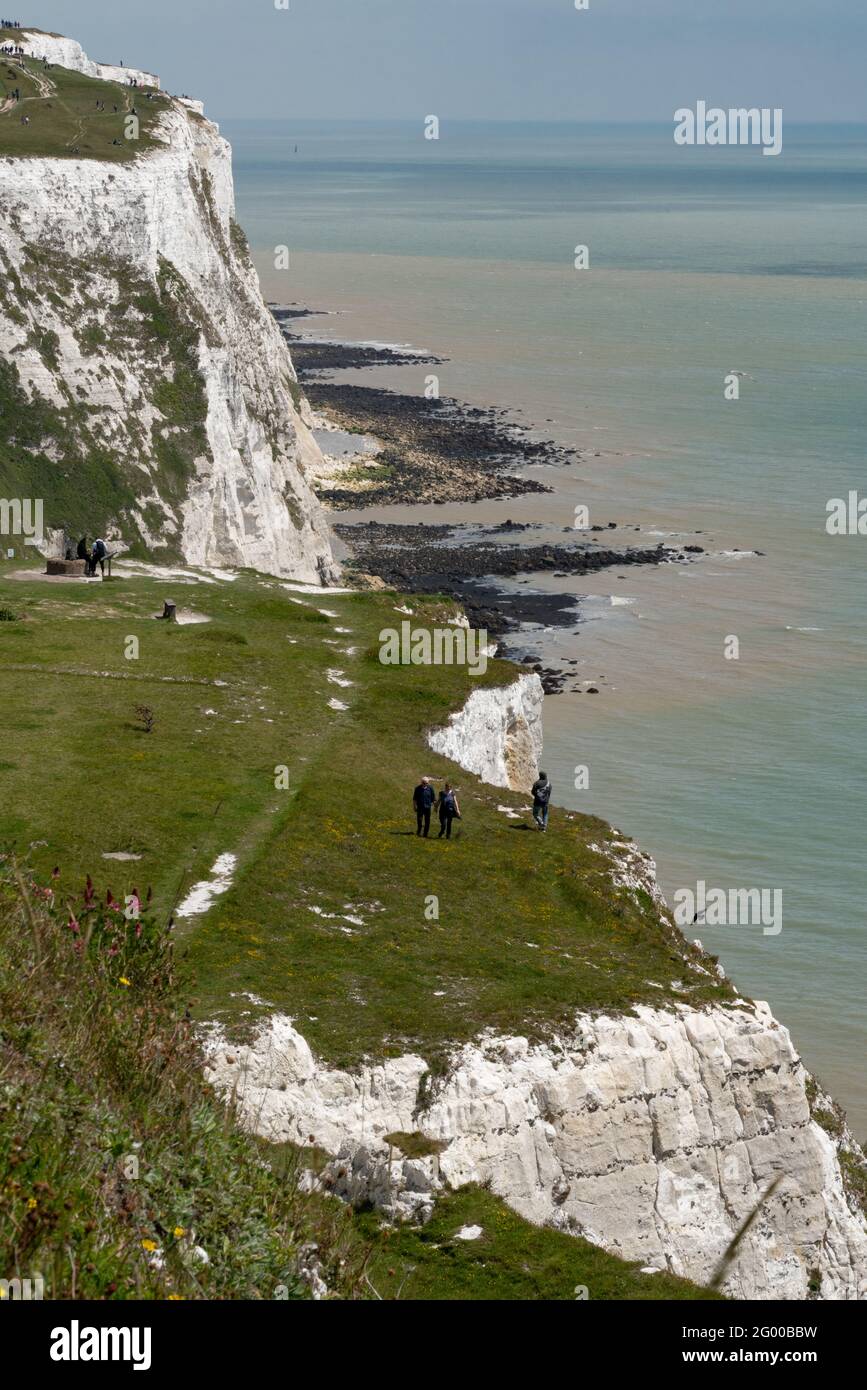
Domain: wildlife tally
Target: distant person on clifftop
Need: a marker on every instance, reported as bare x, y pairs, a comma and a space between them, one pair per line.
541, 797
97, 557
448, 809
423, 799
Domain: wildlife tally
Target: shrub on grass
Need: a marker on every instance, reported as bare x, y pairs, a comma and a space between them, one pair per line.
146, 717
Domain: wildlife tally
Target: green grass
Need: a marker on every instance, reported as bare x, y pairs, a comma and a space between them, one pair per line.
118, 1165
529, 927
510, 1260
414, 1145
64, 119
93, 1069
116, 1160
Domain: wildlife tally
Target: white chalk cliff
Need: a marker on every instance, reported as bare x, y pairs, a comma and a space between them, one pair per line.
68, 53
131, 315
654, 1134
497, 734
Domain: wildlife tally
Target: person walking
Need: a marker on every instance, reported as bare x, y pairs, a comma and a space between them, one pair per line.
541, 797
423, 799
448, 809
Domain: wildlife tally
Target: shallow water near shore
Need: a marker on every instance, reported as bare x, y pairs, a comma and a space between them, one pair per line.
747, 772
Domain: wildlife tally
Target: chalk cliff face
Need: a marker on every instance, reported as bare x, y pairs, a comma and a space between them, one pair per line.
160, 399
654, 1134
68, 53
497, 734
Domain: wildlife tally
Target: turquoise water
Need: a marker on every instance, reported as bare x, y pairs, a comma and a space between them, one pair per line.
746, 773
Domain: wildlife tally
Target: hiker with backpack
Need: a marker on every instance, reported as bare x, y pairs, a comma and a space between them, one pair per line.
448, 808
98, 556
541, 797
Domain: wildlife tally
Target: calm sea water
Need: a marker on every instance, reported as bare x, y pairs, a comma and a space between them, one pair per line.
747, 772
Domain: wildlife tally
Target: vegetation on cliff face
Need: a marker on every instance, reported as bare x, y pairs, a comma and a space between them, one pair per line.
509, 1259
87, 461
832, 1118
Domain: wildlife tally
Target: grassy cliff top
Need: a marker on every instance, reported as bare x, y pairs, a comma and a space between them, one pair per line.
326, 916
64, 119
119, 1166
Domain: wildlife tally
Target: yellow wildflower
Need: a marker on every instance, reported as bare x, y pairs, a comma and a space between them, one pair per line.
149, 1245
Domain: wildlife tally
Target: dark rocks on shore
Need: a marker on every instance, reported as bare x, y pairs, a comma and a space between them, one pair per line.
419, 557
434, 450
311, 358
425, 559
441, 451
285, 313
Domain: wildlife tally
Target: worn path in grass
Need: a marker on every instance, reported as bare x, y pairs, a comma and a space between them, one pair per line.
377, 942
64, 119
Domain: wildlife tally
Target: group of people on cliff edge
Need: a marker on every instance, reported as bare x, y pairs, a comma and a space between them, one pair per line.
424, 799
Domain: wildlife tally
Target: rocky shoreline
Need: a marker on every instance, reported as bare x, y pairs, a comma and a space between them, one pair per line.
441, 560
433, 450
413, 450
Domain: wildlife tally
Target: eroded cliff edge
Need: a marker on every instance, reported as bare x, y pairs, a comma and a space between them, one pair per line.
151, 395
655, 1133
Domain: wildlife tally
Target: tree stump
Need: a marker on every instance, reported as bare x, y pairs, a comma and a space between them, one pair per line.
170, 612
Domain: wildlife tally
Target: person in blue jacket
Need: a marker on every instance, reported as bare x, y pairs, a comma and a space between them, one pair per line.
448, 809
423, 799
541, 797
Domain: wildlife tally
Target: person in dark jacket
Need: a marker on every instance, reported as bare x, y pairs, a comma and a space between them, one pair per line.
97, 556
82, 552
541, 797
423, 799
448, 809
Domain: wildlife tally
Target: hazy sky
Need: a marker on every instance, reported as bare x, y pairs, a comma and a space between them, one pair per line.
497, 59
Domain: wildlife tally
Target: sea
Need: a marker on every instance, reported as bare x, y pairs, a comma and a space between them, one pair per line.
693, 323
